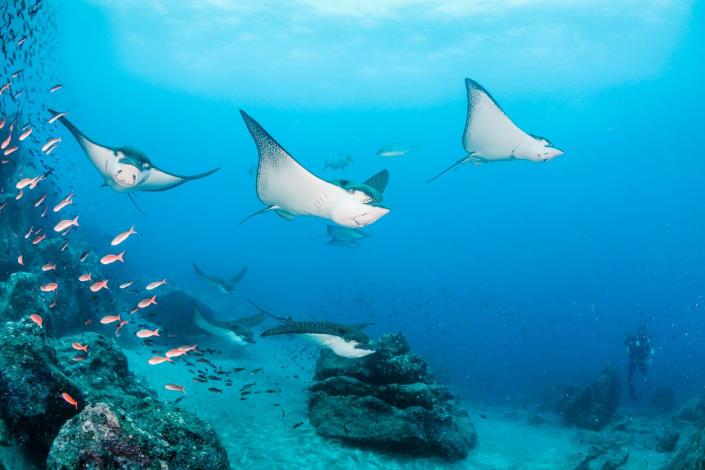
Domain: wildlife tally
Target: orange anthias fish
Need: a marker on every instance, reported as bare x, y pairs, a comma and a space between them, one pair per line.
66, 223
155, 284
49, 287
157, 360
109, 259
175, 353
125, 285
64, 202
25, 134
106, 320
175, 388
36, 319
39, 239
48, 267
50, 143
70, 400
188, 347
20, 260
80, 347
144, 303
29, 182
99, 285
119, 327
84, 277
147, 333
121, 237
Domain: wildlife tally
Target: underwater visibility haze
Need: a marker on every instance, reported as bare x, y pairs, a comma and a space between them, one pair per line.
352, 234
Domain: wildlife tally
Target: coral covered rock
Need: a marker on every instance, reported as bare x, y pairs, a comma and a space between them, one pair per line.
692, 455
390, 401
31, 384
102, 436
594, 407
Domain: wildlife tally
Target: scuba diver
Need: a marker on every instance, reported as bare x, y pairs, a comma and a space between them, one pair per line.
640, 350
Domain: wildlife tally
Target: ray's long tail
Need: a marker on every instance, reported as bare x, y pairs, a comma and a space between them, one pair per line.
459, 162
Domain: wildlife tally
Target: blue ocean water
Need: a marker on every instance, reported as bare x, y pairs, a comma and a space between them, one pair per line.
511, 279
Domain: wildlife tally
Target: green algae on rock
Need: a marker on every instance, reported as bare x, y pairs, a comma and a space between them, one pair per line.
388, 401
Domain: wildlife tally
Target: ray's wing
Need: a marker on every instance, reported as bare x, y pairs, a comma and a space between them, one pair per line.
99, 155
251, 321
488, 130
238, 276
379, 181
160, 180
282, 181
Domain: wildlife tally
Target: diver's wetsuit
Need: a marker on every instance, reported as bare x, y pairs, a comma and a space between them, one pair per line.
640, 352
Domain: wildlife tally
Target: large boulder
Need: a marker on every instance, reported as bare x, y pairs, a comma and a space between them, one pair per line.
389, 401
36, 370
594, 407
692, 455
31, 384
104, 436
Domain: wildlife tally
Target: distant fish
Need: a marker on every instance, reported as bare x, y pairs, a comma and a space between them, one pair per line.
39, 201
110, 259
50, 143
395, 150
20, 260
48, 267
125, 285
297, 425
121, 237
28, 182
49, 287
155, 284
108, 319
25, 134
215, 390
65, 224
10, 150
175, 388
39, 239
55, 88
147, 333
36, 319
99, 285
491, 136
157, 360
144, 303
338, 162
69, 399
64, 202
176, 352
80, 347
85, 277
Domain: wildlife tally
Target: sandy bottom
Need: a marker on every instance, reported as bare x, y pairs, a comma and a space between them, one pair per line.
258, 432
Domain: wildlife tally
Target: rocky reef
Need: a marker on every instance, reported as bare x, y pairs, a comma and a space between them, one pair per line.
593, 407
390, 401
117, 423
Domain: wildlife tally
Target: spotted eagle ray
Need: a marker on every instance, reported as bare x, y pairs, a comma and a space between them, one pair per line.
344, 340
238, 331
491, 136
126, 169
227, 286
284, 185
